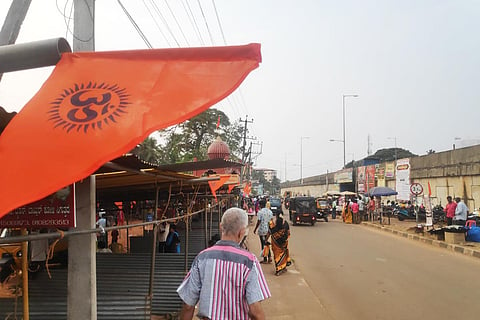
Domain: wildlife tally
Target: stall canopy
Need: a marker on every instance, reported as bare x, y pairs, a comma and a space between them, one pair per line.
130, 178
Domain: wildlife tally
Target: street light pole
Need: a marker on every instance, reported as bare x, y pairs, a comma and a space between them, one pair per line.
301, 158
343, 104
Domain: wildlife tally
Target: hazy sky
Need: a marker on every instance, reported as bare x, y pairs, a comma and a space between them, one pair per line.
413, 63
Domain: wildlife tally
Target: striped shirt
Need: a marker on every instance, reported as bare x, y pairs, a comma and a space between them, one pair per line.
224, 280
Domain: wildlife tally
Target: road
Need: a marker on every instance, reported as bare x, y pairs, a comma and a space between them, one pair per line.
357, 272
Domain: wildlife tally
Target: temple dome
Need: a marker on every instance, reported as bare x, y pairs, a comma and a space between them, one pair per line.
218, 150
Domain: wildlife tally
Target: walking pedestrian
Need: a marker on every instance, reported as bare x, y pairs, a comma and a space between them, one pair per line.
334, 209
279, 232
225, 280
263, 217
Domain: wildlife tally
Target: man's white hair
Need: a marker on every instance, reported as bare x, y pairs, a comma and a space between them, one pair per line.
234, 220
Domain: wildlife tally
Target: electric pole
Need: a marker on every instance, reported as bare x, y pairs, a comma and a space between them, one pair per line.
244, 154
13, 21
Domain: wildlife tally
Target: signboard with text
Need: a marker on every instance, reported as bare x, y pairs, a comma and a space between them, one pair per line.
370, 176
344, 176
54, 211
390, 170
402, 183
361, 179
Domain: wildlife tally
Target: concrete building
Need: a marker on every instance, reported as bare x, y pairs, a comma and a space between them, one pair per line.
454, 172
268, 174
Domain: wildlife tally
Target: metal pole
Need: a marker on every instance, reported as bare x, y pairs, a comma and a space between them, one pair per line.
206, 223
26, 308
154, 249
344, 154
301, 160
30, 55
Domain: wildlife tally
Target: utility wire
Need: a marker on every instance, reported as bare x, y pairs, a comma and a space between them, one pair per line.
176, 21
206, 23
165, 22
67, 21
156, 23
219, 23
69, 18
193, 22
135, 25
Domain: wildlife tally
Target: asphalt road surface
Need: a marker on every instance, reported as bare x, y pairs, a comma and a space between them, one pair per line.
358, 272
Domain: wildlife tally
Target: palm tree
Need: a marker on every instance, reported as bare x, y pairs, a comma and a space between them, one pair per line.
148, 150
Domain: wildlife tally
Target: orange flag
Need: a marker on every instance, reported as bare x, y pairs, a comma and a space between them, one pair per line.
247, 189
231, 186
216, 184
96, 106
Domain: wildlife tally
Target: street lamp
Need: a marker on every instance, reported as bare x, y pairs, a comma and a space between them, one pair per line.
343, 104
301, 158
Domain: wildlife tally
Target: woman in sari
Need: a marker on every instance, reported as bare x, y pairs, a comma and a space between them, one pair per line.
279, 232
347, 212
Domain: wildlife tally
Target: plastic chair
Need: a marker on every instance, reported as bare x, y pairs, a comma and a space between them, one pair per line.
470, 223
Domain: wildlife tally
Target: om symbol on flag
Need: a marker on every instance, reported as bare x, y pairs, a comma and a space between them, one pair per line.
88, 107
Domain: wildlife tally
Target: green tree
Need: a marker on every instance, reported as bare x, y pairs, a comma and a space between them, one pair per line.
191, 139
272, 188
148, 150
388, 154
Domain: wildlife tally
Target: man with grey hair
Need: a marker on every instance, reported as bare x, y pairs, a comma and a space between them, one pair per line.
225, 280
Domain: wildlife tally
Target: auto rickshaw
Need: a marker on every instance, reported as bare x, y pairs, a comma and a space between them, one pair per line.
303, 210
323, 208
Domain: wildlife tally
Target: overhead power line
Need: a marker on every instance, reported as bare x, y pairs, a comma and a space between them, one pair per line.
165, 22
156, 23
176, 21
219, 23
135, 25
193, 21
206, 23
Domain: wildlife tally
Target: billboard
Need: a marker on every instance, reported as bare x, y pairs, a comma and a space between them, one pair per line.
370, 176
402, 182
344, 176
55, 211
361, 179
380, 174
389, 170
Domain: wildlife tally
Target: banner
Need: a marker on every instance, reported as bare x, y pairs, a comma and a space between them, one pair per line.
54, 211
370, 177
389, 170
344, 176
361, 188
96, 106
402, 182
380, 174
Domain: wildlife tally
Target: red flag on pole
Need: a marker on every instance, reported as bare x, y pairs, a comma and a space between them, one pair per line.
216, 184
218, 122
96, 106
231, 187
247, 188
429, 189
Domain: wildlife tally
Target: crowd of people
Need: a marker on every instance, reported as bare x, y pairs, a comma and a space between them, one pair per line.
212, 284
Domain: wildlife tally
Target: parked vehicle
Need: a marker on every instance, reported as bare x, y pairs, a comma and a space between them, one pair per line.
411, 213
303, 210
286, 199
323, 209
275, 205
